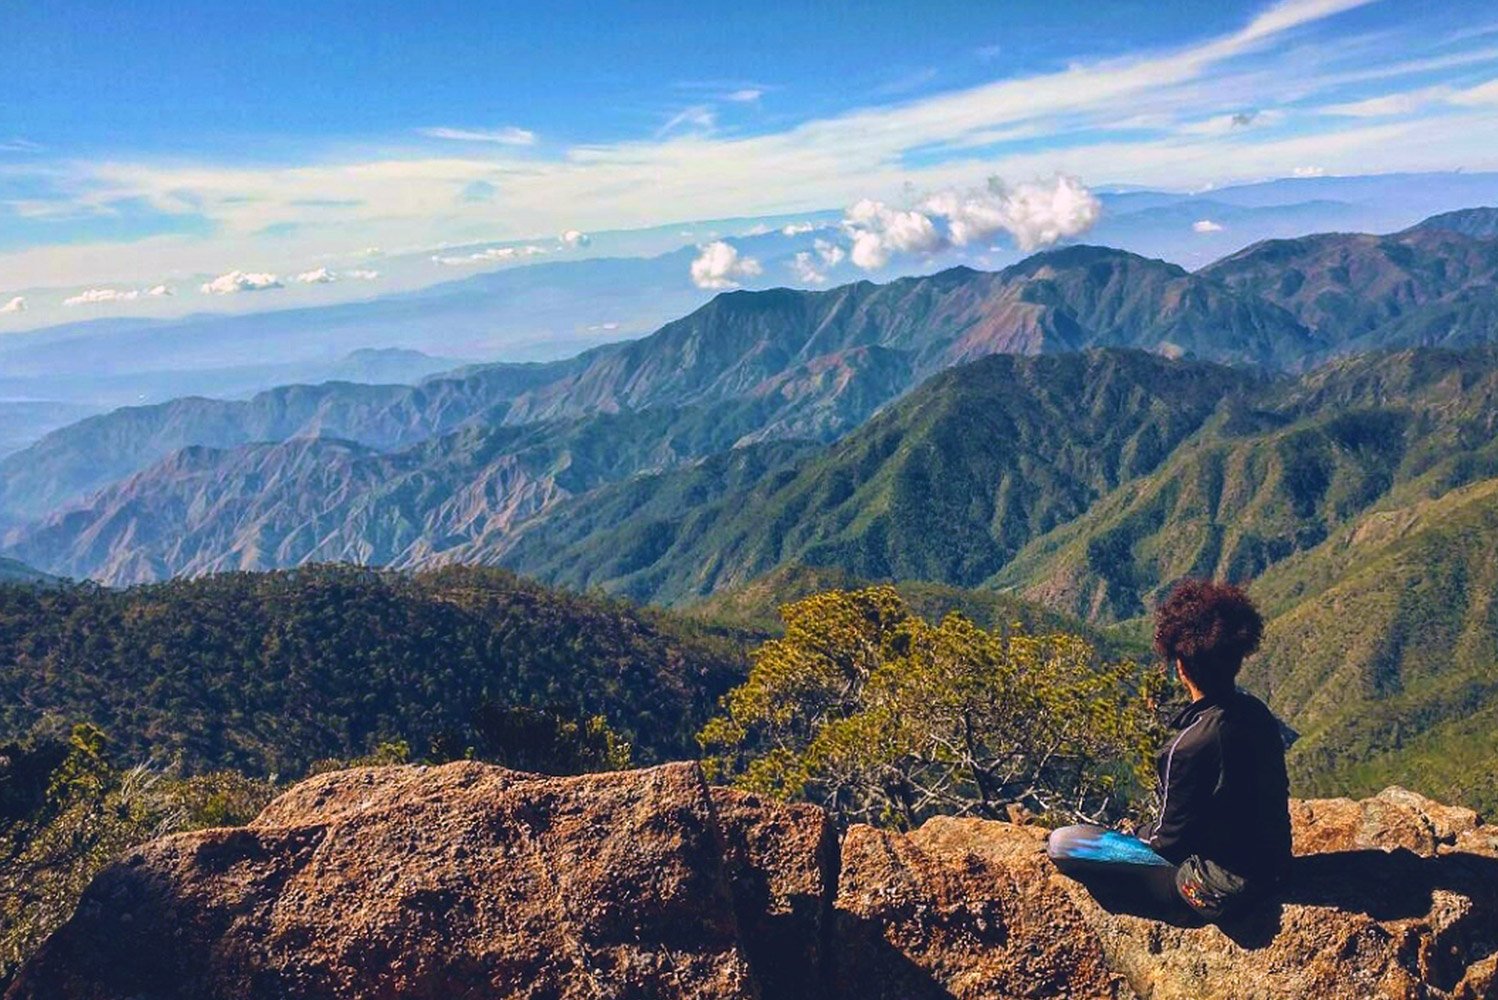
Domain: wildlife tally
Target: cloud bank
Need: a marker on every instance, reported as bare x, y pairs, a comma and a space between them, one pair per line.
1035, 214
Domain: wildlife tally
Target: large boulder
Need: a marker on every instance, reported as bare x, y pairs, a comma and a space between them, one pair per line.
459, 881
473, 881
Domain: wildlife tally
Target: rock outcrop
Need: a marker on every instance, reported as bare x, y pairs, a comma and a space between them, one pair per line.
473, 881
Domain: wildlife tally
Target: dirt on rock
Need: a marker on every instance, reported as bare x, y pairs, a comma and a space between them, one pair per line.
468, 881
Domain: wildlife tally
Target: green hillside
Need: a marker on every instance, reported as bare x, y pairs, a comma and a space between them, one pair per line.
267, 673
945, 486
1271, 477
754, 606
1383, 651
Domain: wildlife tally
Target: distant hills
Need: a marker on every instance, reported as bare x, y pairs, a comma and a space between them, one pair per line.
12, 571
1317, 416
451, 468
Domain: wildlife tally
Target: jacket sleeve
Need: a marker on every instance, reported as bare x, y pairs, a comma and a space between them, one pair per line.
1192, 767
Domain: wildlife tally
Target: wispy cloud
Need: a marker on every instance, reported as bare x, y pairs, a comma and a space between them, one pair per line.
113, 296
1239, 105
697, 117
510, 135
489, 255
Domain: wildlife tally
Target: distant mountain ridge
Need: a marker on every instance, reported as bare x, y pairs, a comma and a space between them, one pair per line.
836, 356
482, 450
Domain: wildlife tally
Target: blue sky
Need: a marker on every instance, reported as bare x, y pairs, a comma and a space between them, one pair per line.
147, 143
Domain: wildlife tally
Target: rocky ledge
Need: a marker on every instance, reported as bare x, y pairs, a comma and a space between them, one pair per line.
469, 881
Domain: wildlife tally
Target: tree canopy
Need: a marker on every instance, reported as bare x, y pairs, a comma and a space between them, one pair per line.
881, 716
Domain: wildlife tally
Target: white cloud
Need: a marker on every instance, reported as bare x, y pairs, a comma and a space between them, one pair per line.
1205, 226
1035, 214
831, 253
108, 296
241, 281
99, 296
798, 228
720, 266
372, 252
602, 327
507, 136
490, 254
361, 274
1271, 60
744, 95
575, 238
878, 231
1309, 172
1039, 213
15, 305
320, 276
806, 269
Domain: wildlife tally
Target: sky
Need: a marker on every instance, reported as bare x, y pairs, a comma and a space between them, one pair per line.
197, 151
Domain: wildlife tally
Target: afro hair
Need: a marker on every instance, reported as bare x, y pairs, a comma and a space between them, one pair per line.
1211, 628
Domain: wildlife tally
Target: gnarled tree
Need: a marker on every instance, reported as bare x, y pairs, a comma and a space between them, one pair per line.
881, 716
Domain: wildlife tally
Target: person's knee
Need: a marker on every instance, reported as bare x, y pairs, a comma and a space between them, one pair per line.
1060, 839
1069, 847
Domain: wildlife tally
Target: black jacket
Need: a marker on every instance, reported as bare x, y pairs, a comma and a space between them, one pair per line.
1224, 793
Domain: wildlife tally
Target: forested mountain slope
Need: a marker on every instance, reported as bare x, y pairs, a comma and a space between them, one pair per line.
945, 486
267, 673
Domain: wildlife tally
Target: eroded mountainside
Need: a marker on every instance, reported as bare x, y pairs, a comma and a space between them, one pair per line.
451, 468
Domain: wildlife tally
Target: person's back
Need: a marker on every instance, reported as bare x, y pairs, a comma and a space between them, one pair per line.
1223, 833
1224, 792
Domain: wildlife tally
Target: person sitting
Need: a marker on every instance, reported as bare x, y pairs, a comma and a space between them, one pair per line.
1222, 839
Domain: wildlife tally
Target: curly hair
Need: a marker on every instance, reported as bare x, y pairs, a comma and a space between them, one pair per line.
1211, 628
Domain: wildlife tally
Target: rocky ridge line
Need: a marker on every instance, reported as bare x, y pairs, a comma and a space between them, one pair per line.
468, 880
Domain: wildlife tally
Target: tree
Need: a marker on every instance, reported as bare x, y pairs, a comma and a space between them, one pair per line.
880, 716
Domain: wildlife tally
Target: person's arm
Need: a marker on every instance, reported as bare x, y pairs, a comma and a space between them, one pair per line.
1192, 767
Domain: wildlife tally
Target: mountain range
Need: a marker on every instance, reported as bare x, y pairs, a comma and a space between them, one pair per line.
1315, 415
747, 367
